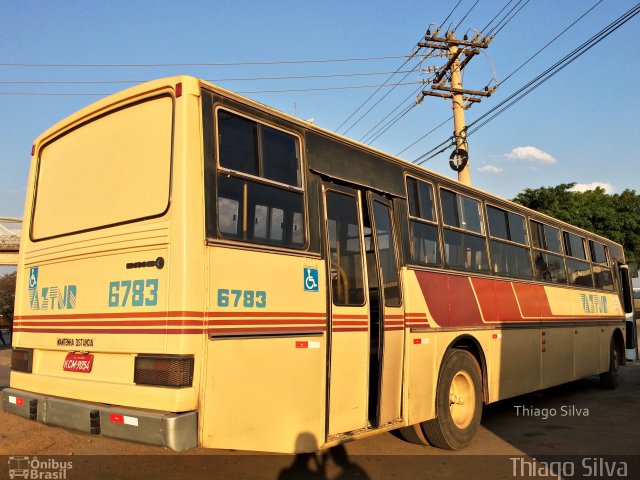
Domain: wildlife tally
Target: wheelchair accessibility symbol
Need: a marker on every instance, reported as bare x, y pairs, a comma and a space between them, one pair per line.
310, 279
33, 278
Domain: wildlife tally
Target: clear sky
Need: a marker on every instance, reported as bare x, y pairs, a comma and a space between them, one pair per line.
576, 127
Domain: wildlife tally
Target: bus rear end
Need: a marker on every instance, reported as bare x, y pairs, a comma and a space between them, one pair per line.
99, 344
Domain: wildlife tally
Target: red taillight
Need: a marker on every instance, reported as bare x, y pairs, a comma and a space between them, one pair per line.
164, 370
178, 90
22, 359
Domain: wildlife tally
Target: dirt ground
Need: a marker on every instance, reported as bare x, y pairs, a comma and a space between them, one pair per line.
588, 421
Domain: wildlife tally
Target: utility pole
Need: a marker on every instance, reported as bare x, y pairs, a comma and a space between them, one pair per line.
460, 52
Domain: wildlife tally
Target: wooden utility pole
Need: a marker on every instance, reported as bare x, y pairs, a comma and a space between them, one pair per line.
460, 52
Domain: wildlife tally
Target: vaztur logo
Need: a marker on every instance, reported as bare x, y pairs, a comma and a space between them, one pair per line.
33, 468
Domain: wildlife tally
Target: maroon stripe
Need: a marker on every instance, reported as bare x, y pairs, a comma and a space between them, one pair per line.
142, 331
226, 331
266, 322
350, 329
265, 314
114, 323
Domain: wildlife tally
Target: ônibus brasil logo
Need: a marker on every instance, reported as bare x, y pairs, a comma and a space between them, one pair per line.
34, 468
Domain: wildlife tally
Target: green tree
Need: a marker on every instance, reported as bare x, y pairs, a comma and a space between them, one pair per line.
7, 298
616, 216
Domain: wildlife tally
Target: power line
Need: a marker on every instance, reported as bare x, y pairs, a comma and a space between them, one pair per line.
374, 93
554, 69
549, 73
511, 18
217, 64
228, 79
411, 96
391, 123
550, 42
242, 92
466, 14
381, 98
450, 13
505, 16
496, 16
425, 135
517, 69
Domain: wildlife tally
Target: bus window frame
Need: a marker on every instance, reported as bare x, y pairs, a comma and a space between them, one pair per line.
482, 234
560, 254
169, 92
527, 246
220, 170
436, 222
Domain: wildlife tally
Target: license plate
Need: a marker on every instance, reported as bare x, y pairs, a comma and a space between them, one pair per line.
78, 362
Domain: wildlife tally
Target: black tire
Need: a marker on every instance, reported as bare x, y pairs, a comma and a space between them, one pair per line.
413, 434
609, 379
457, 414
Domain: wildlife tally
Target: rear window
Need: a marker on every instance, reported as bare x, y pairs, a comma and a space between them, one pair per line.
114, 169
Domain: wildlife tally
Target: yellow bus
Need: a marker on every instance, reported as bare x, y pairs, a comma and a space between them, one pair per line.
199, 269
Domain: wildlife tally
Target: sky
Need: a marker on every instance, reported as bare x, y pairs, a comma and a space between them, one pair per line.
574, 128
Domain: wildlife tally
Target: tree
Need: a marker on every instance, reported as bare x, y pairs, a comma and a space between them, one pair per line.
7, 297
616, 217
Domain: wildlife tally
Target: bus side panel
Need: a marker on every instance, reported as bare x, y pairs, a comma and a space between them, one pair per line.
587, 349
266, 354
517, 360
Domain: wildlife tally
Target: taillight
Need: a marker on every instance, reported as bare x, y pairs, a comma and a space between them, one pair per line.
22, 359
164, 370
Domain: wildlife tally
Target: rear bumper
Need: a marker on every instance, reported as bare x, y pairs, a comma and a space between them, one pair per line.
177, 431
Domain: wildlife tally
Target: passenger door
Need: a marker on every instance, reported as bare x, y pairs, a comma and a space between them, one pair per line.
366, 321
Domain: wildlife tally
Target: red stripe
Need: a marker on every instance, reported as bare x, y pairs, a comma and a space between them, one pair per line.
265, 314
266, 322
113, 331
393, 322
226, 331
114, 323
81, 316
394, 316
350, 329
349, 322
111, 315
389, 329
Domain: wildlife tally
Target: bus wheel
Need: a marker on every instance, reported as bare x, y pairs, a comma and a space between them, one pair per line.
609, 379
413, 434
458, 402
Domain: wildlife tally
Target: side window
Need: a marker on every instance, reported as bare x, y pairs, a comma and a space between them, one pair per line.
347, 284
578, 268
252, 207
508, 244
602, 276
464, 241
423, 229
547, 266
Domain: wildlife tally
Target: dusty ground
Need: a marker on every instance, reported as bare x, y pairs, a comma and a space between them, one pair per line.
610, 427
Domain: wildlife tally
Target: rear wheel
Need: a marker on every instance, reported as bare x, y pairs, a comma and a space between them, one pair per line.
413, 434
609, 379
458, 402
